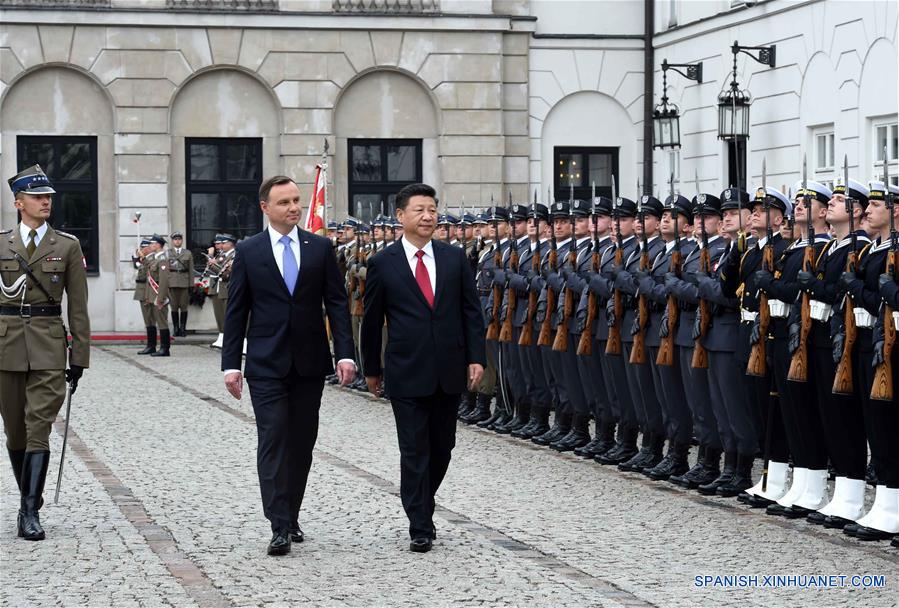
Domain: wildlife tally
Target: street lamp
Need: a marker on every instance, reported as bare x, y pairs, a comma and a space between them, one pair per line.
734, 102
665, 116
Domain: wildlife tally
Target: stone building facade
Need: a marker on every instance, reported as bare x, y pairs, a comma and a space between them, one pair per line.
176, 108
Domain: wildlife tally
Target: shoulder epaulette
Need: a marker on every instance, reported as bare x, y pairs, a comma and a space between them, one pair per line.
5, 231
67, 235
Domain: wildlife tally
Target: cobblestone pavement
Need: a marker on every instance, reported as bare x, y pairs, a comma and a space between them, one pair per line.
160, 507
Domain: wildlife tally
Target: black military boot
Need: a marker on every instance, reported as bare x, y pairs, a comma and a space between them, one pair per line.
183, 323
606, 436
674, 463
150, 348
588, 450
727, 473
682, 480
742, 477
465, 404
176, 324
649, 455
17, 459
165, 339
578, 436
499, 414
34, 473
521, 418
625, 448
711, 469
895, 541
560, 428
538, 424
481, 410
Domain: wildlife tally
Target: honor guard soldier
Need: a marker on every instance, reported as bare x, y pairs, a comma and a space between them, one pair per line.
141, 262
214, 264
181, 266
228, 251
158, 293
37, 266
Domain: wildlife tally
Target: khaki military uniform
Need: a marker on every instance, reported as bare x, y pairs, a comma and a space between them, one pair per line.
140, 292
180, 266
158, 289
33, 348
227, 259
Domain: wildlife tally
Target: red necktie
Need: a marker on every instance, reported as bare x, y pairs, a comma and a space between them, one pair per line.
423, 279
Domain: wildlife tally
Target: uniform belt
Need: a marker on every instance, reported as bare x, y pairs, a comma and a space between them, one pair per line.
748, 316
27, 310
179, 271
140, 280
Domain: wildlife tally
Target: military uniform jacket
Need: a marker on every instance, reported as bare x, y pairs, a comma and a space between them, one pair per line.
551, 279
39, 343
603, 283
654, 286
518, 281
225, 275
605, 249
180, 267
785, 287
576, 283
140, 281
866, 291
626, 282
527, 280
686, 289
486, 275
158, 274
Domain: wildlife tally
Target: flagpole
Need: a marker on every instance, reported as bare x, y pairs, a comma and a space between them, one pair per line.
325, 185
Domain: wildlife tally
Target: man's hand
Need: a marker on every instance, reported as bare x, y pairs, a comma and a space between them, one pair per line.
374, 384
346, 371
475, 373
234, 384
73, 375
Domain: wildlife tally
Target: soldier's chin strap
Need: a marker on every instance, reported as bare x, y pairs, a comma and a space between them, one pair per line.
27, 270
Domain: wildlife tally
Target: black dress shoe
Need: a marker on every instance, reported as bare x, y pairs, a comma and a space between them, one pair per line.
796, 512
837, 523
759, 502
296, 535
280, 543
777, 509
895, 542
816, 517
866, 533
421, 544
851, 528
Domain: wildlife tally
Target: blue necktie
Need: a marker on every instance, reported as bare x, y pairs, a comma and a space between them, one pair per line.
289, 264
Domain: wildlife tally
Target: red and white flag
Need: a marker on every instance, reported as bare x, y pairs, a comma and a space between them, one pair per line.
315, 215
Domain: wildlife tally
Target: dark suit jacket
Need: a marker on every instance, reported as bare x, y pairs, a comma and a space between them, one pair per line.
426, 349
285, 332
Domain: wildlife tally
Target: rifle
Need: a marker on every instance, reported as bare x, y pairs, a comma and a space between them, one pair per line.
505, 334
362, 252
665, 355
700, 358
799, 363
493, 328
882, 387
613, 345
757, 363
560, 343
585, 345
842, 381
527, 332
638, 350
543, 339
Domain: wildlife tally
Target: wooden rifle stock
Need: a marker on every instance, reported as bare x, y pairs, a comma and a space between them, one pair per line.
527, 332
799, 363
638, 351
544, 339
352, 285
560, 343
613, 345
882, 388
700, 358
842, 382
666, 346
505, 333
585, 345
757, 363
493, 328
358, 305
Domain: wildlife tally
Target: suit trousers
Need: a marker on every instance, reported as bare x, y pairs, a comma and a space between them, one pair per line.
539, 393
670, 391
642, 388
841, 419
697, 380
287, 427
426, 430
729, 389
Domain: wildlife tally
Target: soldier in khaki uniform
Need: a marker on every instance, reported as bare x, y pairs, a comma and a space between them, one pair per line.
225, 259
181, 266
141, 261
158, 293
37, 264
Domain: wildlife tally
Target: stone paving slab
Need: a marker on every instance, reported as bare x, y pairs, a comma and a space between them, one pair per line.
160, 506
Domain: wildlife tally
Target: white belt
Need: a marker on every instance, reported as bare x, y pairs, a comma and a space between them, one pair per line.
778, 309
747, 316
896, 319
863, 318
820, 311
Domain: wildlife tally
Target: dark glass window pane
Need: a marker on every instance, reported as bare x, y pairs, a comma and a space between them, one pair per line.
241, 162
204, 162
366, 206
600, 170
366, 163
75, 161
40, 154
401, 163
205, 211
571, 170
72, 210
241, 214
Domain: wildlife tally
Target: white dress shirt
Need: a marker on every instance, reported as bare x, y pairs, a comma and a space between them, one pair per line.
41, 231
428, 259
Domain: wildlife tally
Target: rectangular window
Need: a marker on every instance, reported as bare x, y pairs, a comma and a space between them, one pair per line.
378, 168
71, 165
582, 167
824, 151
886, 140
223, 179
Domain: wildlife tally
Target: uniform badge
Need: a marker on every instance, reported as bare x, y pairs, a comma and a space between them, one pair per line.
727, 195
701, 198
645, 198
52, 259
54, 278
162, 266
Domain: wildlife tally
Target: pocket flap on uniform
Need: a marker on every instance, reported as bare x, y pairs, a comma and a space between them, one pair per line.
53, 266
9, 266
57, 330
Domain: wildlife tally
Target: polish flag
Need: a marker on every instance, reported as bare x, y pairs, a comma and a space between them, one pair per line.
315, 222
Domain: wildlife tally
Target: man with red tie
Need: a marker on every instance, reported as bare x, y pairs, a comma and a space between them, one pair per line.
435, 349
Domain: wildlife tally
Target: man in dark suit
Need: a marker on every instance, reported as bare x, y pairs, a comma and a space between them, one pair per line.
435, 349
280, 279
